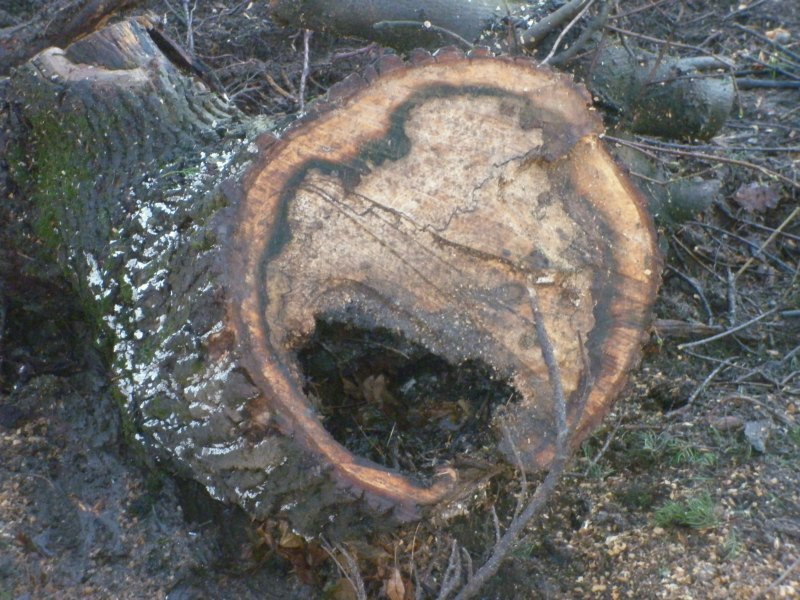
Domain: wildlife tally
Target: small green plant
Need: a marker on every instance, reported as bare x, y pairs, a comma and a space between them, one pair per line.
794, 435
594, 468
731, 545
686, 454
698, 512
675, 451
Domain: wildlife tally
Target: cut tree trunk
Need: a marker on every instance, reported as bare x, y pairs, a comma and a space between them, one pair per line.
337, 324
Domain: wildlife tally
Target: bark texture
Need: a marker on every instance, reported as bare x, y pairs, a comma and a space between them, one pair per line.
661, 96
430, 199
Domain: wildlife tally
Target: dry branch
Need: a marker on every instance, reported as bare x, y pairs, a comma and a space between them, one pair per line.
513, 533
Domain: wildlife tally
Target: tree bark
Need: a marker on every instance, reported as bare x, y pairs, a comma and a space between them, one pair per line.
423, 203
660, 95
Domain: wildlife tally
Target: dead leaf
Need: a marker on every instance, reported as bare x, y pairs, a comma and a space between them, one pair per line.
727, 423
756, 197
289, 539
394, 587
376, 391
341, 590
779, 35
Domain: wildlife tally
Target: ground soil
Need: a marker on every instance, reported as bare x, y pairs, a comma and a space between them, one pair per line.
690, 490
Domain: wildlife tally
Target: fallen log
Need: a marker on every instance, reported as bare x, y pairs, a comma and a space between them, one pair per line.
335, 325
650, 94
394, 23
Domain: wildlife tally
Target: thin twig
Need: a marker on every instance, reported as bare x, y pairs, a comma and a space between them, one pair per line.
743, 10
604, 448
426, 26
693, 396
354, 53
710, 157
349, 570
564, 31
752, 84
306, 68
697, 147
452, 575
769, 240
731, 297
276, 86
468, 562
713, 359
758, 250
531, 37
728, 332
779, 415
189, 17
588, 32
764, 38
697, 288
542, 494
523, 478
639, 9
498, 533
412, 566
656, 40
771, 68
779, 580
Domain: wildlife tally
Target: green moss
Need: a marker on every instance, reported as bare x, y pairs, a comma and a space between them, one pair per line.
203, 242
146, 350
794, 435
128, 428
637, 497
52, 168
160, 408
59, 169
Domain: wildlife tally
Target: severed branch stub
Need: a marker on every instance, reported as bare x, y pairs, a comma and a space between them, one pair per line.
288, 338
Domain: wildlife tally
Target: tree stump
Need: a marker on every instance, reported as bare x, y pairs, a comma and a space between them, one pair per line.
336, 324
